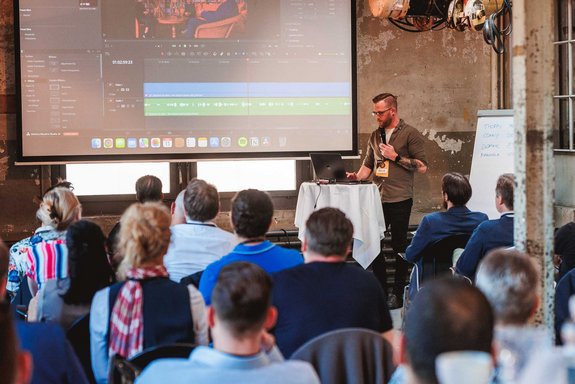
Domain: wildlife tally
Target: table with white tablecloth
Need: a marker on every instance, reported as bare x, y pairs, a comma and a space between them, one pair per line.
362, 205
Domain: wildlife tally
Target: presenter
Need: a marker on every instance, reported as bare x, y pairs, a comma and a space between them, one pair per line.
395, 151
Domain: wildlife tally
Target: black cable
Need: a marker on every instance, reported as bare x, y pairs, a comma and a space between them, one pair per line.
317, 198
287, 237
491, 32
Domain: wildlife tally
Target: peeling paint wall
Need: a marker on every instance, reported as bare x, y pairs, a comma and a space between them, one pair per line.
442, 78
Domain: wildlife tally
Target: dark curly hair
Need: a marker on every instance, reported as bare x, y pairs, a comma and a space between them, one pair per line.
252, 212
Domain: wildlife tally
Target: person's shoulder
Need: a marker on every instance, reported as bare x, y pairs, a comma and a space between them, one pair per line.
288, 274
566, 230
289, 257
166, 370
41, 336
293, 371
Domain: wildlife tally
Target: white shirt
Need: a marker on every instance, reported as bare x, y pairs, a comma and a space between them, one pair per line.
99, 321
194, 246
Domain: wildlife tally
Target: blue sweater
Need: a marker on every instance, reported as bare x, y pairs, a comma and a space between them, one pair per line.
270, 257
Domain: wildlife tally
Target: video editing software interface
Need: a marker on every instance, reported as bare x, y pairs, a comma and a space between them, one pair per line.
101, 77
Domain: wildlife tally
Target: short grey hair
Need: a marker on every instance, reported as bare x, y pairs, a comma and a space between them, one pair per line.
511, 282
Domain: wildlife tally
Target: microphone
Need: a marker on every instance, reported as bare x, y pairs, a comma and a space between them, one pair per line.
382, 135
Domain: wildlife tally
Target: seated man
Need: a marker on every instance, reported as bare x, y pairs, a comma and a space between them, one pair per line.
565, 249
198, 242
492, 233
447, 315
148, 188
326, 293
457, 219
243, 352
251, 217
510, 281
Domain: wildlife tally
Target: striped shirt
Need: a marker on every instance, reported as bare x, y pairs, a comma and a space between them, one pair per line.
48, 260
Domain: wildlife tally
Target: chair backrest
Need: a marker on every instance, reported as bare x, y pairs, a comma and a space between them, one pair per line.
79, 337
438, 257
218, 29
125, 371
349, 355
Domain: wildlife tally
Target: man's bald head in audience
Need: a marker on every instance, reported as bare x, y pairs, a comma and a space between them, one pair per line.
448, 314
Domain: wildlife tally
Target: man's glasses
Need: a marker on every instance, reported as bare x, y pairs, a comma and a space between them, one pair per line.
380, 113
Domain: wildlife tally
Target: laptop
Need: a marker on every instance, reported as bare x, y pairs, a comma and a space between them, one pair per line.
329, 167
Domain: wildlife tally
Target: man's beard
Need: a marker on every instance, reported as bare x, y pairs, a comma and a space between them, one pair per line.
385, 123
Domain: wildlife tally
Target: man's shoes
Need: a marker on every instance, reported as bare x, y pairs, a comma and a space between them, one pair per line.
394, 302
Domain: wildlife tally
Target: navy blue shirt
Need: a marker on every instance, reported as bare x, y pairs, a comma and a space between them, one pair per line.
319, 297
54, 359
488, 235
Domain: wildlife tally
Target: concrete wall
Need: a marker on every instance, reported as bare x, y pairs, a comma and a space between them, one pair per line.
442, 78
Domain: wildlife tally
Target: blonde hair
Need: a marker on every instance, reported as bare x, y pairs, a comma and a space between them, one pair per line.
59, 208
144, 235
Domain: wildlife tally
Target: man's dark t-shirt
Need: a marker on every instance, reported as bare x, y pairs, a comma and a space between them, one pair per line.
319, 297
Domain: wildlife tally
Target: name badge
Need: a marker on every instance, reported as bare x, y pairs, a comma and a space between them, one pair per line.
383, 169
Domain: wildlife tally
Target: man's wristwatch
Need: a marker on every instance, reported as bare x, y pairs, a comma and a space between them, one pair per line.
397, 158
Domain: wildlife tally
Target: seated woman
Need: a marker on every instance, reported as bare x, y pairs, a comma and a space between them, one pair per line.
19, 251
47, 257
147, 308
65, 300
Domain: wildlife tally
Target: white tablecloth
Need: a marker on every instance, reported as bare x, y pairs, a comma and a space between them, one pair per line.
361, 204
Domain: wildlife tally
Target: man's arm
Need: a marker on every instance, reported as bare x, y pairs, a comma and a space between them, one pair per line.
365, 170
411, 164
420, 241
467, 263
362, 174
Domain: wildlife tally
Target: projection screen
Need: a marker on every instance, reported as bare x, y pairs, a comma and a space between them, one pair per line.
113, 80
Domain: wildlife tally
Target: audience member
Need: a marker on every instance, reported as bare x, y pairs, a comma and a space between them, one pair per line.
251, 217
148, 189
65, 300
15, 365
563, 292
491, 233
447, 315
458, 219
326, 293
510, 281
54, 360
198, 242
565, 249
19, 251
48, 255
243, 352
177, 209
120, 323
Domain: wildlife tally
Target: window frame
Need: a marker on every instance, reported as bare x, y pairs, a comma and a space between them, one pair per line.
564, 91
180, 174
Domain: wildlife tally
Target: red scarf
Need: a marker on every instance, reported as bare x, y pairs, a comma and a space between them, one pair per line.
127, 320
